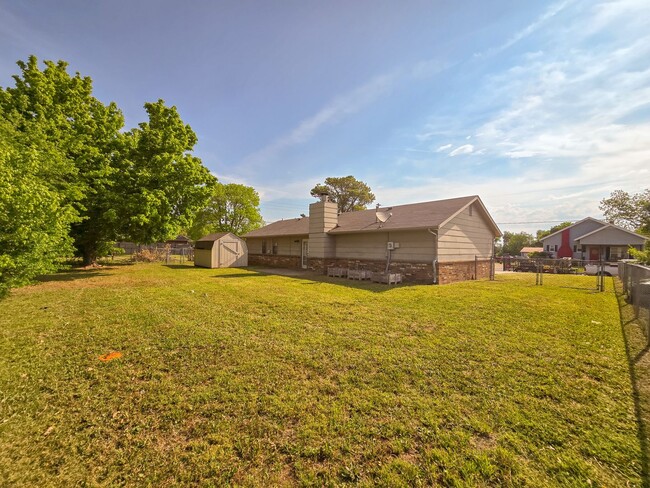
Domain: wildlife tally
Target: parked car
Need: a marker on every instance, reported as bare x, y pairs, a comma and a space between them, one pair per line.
609, 269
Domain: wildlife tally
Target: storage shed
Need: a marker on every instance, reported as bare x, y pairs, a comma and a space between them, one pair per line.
222, 250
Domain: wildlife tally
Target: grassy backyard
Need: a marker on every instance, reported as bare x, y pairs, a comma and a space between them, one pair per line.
233, 376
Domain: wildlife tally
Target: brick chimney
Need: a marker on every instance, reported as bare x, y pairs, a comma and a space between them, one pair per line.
323, 216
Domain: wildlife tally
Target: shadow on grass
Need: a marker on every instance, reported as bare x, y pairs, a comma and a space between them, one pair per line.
73, 275
636, 347
313, 278
182, 266
240, 275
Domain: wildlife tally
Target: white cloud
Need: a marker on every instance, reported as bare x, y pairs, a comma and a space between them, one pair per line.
444, 148
465, 149
551, 12
330, 114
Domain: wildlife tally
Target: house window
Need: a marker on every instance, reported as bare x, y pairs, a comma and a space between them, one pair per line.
275, 248
548, 248
555, 248
263, 247
575, 248
470, 209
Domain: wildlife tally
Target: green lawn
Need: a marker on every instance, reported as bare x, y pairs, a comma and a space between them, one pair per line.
233, 376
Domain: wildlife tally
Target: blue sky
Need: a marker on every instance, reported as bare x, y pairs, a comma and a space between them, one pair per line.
541, 108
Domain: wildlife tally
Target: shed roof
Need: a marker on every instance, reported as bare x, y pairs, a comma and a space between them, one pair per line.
213, 237
411, 216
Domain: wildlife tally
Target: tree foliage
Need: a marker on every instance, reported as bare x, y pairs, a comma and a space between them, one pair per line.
61, 109
348, 192
34, 217
641, 256
162, 185
231, 208
513, 243
629, 211
70, 176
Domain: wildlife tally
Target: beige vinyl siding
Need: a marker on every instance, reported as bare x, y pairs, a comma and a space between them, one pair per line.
286, 245
414, 246
203, 258
360, 246
465, 237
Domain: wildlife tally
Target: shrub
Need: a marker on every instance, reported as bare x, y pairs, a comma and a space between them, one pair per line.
150, 255
642, 256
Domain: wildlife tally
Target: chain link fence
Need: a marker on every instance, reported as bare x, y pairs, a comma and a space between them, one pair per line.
636, 286
543, 267
157, 252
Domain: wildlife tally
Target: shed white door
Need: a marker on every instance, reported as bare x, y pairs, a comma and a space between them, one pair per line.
228, 253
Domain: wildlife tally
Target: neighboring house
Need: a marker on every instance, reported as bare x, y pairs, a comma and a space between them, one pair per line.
180, 242
440, 242
221, 250
525, 251
593, 240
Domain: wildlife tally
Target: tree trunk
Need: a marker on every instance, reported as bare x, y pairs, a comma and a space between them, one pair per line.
89, 257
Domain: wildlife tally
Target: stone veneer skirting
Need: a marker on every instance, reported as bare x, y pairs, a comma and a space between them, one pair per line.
448, 272
274, 260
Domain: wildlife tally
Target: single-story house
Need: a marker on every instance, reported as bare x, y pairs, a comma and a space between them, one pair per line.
220, 250
526, 251
436, 242
592, 239
180, 242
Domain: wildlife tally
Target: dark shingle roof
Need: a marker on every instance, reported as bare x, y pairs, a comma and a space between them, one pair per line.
289, 227
411, 216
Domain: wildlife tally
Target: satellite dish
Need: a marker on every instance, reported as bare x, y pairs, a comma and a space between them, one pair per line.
383, 215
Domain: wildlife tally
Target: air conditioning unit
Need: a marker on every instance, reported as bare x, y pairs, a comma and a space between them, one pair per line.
390, 246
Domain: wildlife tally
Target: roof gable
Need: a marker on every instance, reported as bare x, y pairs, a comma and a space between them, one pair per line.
573, 225
612, 227
491, 223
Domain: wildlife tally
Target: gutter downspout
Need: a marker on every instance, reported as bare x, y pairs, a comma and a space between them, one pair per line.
434, 263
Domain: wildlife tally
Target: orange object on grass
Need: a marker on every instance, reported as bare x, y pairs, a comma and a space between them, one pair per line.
110, 356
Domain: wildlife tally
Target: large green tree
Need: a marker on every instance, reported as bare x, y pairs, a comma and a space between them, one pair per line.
61, 109
162, 185
142, 185
231, 208
348, 192
631, 211
34, 215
